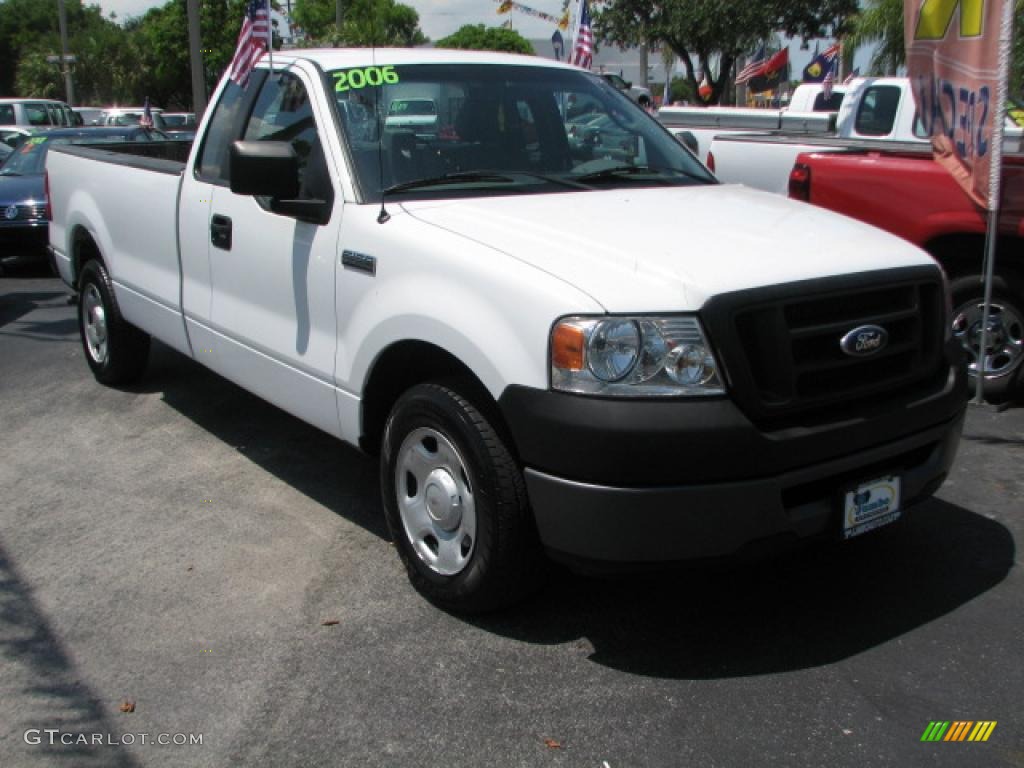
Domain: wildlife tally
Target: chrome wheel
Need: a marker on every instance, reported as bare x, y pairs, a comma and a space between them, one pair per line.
94, 324
1004, 345
435, 501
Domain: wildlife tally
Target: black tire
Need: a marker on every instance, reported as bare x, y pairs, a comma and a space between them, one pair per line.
504, 562
1003, 375
123, 357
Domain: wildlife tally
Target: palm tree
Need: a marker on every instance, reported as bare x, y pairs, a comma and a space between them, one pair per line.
881, 22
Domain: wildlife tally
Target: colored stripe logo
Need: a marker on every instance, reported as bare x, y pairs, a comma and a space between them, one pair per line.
958, 730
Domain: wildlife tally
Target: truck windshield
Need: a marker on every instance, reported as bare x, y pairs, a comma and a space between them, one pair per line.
465, 129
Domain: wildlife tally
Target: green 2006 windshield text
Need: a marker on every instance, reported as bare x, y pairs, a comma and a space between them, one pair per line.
354, 79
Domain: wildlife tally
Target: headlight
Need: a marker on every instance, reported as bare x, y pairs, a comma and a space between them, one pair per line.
633, 357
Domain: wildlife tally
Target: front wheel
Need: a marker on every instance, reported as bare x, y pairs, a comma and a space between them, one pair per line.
456, 503
117, 352
1004, 347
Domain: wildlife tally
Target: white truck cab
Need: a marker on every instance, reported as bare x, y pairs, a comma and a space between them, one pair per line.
471, 307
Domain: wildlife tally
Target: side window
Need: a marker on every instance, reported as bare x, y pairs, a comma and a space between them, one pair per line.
6, 114
224, 127
36, 114
876, 114
283, 112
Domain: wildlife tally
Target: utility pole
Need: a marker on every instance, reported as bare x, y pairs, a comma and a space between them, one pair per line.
65, 68
196, 58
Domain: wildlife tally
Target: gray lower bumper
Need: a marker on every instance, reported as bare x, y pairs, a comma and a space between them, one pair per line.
593, 523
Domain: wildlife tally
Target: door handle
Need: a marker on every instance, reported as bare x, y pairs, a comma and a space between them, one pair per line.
220, 232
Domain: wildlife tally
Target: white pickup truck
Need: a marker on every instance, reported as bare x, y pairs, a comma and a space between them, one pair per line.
472, 308
875, 111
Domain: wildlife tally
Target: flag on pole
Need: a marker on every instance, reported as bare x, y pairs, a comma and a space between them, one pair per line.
957, 60
146, 121
253, 41
583, 45
852, 76
753, 66
821, 65
827, 85
771, 74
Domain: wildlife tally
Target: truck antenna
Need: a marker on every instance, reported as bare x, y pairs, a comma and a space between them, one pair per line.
383, 217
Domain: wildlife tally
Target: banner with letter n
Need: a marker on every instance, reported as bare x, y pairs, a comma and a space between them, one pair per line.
958, 62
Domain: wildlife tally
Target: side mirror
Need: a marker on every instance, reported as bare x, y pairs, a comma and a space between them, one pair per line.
628, 83
271, 169
264, 168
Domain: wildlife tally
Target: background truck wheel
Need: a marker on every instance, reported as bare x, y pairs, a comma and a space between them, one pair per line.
117, 352
456, 503
1004, 357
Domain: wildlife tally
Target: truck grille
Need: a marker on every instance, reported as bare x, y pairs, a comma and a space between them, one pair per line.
784, 356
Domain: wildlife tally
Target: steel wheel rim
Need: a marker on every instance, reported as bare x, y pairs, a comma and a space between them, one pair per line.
1005, 344
436, 501
94, 324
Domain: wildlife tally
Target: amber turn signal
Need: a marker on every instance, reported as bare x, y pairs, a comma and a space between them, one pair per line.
567, 342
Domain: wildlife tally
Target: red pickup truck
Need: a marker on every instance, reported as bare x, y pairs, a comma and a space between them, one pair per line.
903, 191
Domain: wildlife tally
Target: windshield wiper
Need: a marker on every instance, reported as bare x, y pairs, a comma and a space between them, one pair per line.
9, 173
618, 171
450, 178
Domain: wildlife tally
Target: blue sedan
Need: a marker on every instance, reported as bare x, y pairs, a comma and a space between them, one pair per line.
24, 218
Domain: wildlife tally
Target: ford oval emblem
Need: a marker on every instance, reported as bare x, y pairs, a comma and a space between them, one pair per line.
11, 212
865, 340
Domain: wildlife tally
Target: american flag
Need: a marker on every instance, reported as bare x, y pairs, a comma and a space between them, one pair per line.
827, 84
253, 41
754, 66
146, 121
583, 48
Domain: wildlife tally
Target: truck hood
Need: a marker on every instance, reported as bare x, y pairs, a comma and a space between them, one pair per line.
650, 250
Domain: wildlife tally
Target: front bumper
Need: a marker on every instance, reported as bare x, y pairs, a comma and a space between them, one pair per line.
619, 482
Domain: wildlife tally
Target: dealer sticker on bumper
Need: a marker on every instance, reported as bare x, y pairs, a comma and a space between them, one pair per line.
871, 505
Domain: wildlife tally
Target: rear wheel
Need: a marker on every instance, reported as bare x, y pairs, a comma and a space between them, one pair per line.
456, 503
1004, 347
117, 352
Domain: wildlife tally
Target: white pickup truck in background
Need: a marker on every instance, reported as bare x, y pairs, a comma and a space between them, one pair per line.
874, 110
471, 307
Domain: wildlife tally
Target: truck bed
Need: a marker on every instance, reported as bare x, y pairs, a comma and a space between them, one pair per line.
140, 247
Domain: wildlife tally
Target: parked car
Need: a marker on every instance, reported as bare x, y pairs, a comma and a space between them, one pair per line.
89, 115
122, 116
36, 112
24, 214
10, 137
418, 114
875, 111
179, 120
478, 312
637, 93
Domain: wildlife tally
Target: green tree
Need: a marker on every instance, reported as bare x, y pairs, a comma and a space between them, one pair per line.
29, 32
477, 37
363, 23
700, 31
880, 22
160, 39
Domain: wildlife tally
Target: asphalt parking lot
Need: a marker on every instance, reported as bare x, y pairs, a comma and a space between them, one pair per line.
185, 548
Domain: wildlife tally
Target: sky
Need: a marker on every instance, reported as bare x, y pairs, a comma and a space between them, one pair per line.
439, 18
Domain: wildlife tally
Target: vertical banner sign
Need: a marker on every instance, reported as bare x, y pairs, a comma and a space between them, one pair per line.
954, 55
